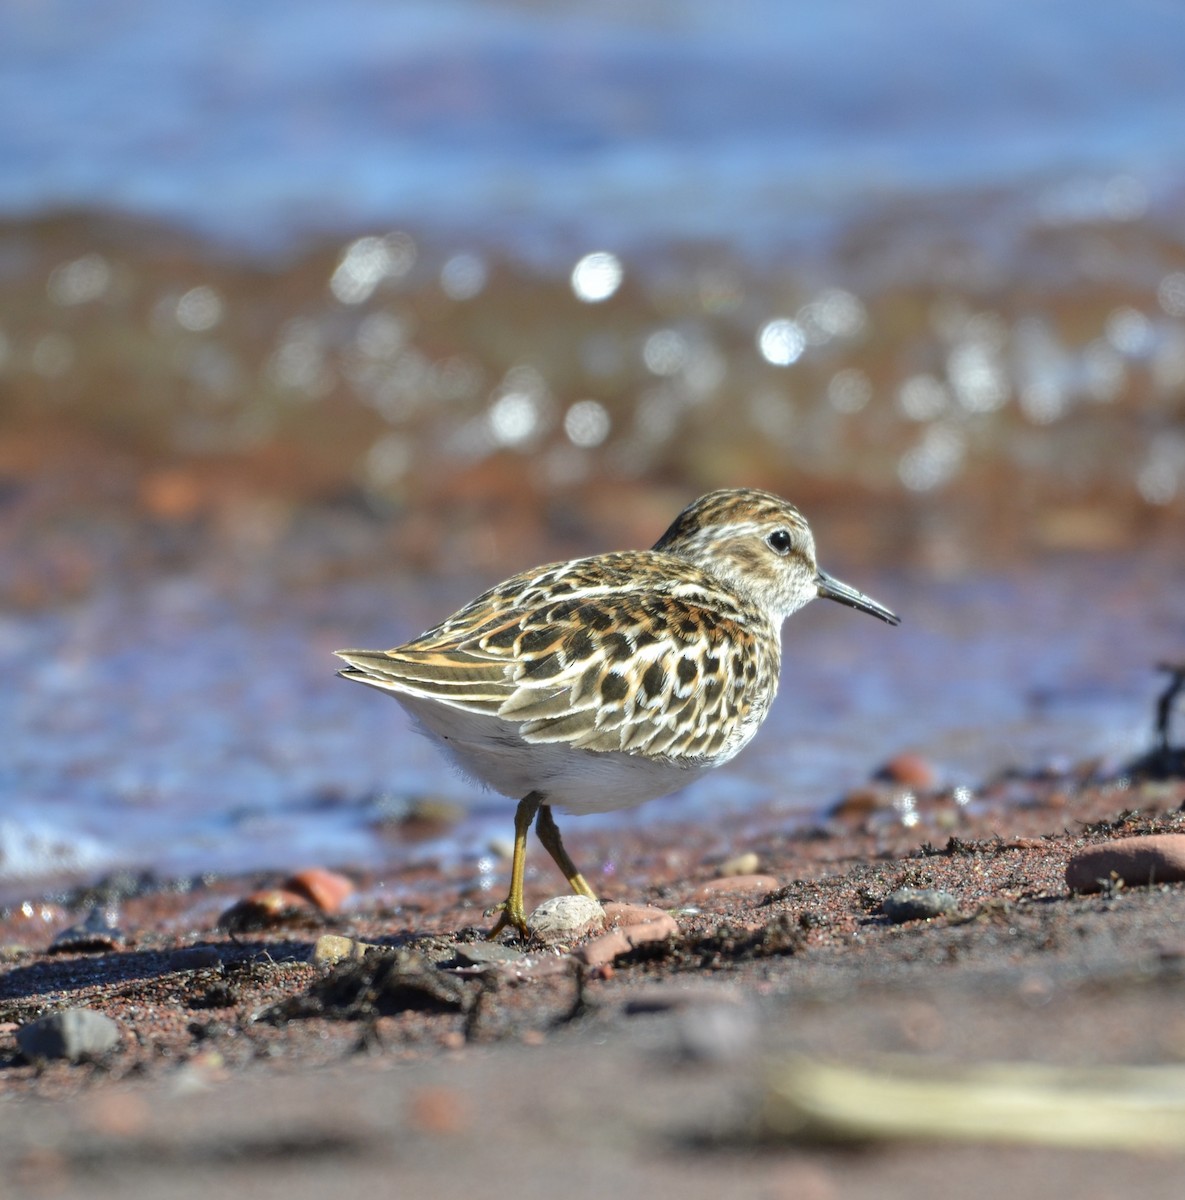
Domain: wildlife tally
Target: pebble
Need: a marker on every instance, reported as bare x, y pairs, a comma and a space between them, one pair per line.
326, 890
742, 864
1138, 861
918, 904
96, 933
482, 954
618, 913
910, 770
75, 1034
714, 1033
862, 802
563, 918
737, 885
262, 909
333, 948
425, 817
437, 1110
195, 958
533, 967
600, 952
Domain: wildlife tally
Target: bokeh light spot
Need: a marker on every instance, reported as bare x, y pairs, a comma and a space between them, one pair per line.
367, 262
665, 352
514, 418
199, 309
934, 461
781, 341
596, 277
53, 355
587, 423
849, 391
387, 460
82, 280
834, 313
922, 398
1171, 293
1159, 478
463, 276
1129, 331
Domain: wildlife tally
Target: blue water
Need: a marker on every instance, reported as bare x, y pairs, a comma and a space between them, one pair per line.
178, 727
754, 121
188, 729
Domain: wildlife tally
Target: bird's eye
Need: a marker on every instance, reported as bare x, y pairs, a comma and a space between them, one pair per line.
780, 541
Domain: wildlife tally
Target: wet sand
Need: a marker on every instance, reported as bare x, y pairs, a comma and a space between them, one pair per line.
646, 1073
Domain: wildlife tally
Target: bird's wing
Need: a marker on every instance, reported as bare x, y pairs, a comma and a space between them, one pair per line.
670, 669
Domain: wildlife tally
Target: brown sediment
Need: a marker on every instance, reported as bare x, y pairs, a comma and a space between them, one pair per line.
125, 428
1025, 970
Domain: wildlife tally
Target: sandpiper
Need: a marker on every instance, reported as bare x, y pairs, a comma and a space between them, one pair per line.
603, 682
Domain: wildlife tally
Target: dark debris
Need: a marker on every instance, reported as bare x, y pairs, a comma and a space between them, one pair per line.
377, 985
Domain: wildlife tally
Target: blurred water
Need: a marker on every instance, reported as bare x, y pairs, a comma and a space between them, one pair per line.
756, 121
478, 284
173, 729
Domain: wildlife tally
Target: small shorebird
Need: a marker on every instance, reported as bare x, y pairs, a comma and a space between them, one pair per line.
603, 682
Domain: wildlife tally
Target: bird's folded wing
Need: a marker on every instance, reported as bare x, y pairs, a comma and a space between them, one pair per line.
654, 673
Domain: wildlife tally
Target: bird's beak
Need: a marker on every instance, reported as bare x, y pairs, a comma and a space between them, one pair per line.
833, 589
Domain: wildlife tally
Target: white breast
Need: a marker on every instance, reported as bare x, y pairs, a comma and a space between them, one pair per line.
490, 750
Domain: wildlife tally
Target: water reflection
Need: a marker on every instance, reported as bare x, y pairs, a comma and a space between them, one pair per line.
781, 341
426, 370
81, 281
587, 423
596, 277
370, 261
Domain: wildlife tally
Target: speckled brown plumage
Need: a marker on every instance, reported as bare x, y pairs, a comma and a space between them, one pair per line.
605, 681
640, 652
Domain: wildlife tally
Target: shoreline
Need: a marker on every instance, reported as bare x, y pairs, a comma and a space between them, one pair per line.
649, 1067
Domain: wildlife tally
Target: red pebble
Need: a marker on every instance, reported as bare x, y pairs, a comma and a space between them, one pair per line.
1138, 861
736, 885
910, 770
327, 890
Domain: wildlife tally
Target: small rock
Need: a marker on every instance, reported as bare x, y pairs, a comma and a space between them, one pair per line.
327, 890
264, 909
96, 933
1138, 861
333, 948
742, 864
602, 951
437, 1110
737, 885
918, 904
483, 954
195, 958
862, 802
714, 1033
618, 913
563, 918
501, 847
910, 770
75, 1034
381, 984
424, 817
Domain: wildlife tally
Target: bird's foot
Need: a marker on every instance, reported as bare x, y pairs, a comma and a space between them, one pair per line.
510, 915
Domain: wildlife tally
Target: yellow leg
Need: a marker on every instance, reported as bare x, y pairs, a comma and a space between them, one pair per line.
512, 911
549, 835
